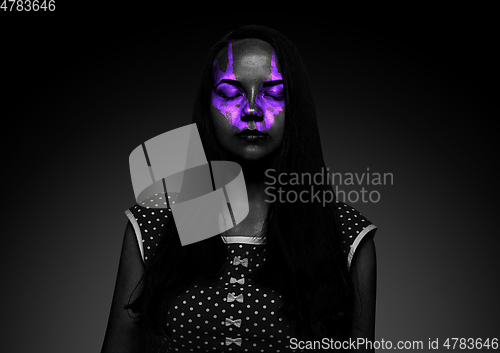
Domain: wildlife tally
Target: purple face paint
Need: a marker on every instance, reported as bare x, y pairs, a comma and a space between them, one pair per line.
236, 100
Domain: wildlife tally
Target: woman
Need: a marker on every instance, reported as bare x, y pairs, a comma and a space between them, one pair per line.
291, 272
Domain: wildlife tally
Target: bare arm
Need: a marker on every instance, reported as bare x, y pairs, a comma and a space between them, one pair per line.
364, 271
122, 336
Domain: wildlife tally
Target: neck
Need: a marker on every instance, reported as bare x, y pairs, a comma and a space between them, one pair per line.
254, 173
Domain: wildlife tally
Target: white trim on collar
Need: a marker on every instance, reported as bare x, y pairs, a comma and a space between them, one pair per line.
238, 239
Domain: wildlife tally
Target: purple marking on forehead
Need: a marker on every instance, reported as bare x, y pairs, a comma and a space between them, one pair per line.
275, 74
233, 109
228, 74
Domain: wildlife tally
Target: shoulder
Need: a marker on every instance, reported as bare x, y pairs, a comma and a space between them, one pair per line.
149, 223
355, 227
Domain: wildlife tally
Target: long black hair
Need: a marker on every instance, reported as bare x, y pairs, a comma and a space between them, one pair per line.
304, 257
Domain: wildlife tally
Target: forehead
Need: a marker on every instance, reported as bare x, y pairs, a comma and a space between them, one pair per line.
247, 58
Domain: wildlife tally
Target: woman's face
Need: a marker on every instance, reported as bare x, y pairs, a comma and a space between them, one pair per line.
248, 103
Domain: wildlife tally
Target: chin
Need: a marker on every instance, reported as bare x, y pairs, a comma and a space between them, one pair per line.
247, 156
249, 153
252, 157
253, 153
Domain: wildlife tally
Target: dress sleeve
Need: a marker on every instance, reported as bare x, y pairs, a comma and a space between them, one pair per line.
354, 228
149, 223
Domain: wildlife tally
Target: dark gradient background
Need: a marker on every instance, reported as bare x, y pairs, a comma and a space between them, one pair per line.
412, 97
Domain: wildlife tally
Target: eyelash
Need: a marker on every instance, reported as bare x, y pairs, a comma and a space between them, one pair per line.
228, 98
273, 97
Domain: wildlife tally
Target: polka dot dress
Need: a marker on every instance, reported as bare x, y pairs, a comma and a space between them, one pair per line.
235, 314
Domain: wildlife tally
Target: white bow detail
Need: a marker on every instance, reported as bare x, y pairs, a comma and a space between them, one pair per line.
237, 260
230, 322
234, 280
230, 340
231, 298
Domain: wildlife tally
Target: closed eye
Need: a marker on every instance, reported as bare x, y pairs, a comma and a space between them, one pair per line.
227, 91
276, 97
274, 90
228, 98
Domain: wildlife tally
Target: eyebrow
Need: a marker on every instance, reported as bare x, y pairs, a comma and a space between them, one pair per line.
238, 83
272, 83
230, 82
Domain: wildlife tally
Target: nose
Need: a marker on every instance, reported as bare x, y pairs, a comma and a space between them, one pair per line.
251, 112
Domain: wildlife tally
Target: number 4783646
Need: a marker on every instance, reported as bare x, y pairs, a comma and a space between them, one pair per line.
28, 5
